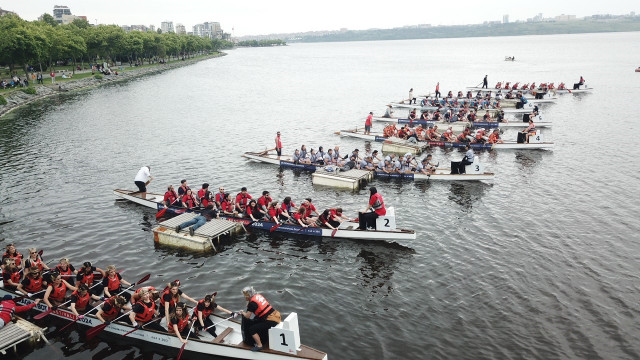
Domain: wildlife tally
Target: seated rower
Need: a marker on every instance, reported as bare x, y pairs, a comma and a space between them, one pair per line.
242, 200
227, 207
112, 308
264, 201
448, 135
112, 283
182, 190
530, 130
220, 195
205, 197
34, 259
367, 163
287, 208
274, 212
388, 112
143, 311
481, 137
171, 198
325, 220
80, 299
390, 131
350, 164
304, 155
155, 294
309, 208
487, 116
86, 276
328, 158
390, 167
56, 291
178, 322
313, 157
465, 136
253, 211
203, 311
298, 218
12, 253
189, 201
66, 270
207, 214
382, 166
171, 296
32, 284
435, 135
320, 155
424, 116
420, 132
10, 274
297, 158
494, 138
426, 166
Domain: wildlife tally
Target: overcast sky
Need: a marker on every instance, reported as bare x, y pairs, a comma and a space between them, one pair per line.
252, 17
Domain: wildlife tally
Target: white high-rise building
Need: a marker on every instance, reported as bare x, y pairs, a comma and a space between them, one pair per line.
505, 19
211, 30
167, 27
180, 29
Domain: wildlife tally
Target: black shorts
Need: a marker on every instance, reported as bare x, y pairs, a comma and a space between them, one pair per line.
142, 187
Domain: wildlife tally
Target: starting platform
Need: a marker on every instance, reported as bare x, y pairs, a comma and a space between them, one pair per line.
351, 179
202, 240
13, 334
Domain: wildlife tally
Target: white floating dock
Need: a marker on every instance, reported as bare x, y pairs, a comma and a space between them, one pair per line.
351, 179
202, 240
13, 334
403, 147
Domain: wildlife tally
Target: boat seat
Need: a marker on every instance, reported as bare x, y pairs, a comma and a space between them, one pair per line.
222, 335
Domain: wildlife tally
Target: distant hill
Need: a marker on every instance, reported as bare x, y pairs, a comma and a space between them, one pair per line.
589, 25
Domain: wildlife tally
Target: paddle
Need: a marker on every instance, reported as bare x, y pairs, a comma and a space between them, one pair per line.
274, 227
145, 278
138, 328
185, 342
93, 332
221, 321
161, 213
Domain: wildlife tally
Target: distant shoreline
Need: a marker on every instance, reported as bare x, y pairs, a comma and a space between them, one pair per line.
17, 98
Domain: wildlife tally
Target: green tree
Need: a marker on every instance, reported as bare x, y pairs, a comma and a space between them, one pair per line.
49, 19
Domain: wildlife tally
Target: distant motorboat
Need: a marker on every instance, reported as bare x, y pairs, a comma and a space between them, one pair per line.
509, 58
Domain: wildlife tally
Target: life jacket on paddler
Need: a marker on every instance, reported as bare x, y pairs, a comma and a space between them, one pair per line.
171, 196
263, 306
17, 257
115, 305
388, 130
34, 285
147, 313
136, 295
58, 292
82, 301
8, 308
189, 200
207, 310
67, 273
113, 283
173, 301
87, 278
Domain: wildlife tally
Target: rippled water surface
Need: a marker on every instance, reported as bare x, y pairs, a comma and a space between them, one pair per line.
543, 263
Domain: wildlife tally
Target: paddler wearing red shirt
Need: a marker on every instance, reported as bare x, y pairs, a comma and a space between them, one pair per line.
86, 276
205, 196
12, 253
67, 270
242, 200
274, 211
178, 322
189, 200
80, 299
8, 308
227, 207
171, 296
264, 201
112, 283
57, 291
367, 124
171, 197
368, 219
203, 311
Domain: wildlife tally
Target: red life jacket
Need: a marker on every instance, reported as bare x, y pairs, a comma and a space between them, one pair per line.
8, 308
64, 272
206, 312
35, 285
82, 301
378, 204
147, 314
114, 283
182, 324
170, 197
275, 212
202, 197
15, 277
242, 199
59, 292
189, 200
87, 278
148, 288
172, 303
111, 313
263, 305
36, 262
17, 257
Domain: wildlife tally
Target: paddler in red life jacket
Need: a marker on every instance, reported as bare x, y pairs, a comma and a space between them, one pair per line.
183, 188
34, 259
171, 197
204, 195
32, 284
263, 314
66, 270
265, 200
324, 218
57, 291
298, 218
111, 309
368, 219
171, 296
10, 274
112, 283
203, 311
189, 201
242, 200
80, 300
494, 138
155, 294
12, 253
178, 322
86, 276
287, 208
143, 311
220, 196
8, 308
253, 211
274, 211
227, 207
309, 208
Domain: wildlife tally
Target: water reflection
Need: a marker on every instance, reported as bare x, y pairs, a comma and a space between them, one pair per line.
467, 193
378, 265
528, 160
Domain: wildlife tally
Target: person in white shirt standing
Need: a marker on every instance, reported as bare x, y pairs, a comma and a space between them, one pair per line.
143, 178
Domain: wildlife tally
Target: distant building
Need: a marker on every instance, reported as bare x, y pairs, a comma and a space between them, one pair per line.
167, 27
126, 28
210, 30
62, 14
138, 28
152, 28
505, 19
180, 29
6, 12
564, 17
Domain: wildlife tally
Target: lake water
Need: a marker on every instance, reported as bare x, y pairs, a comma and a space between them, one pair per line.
543, 263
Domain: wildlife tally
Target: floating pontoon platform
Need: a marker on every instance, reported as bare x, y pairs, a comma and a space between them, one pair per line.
202, 240
13, 334
351, 179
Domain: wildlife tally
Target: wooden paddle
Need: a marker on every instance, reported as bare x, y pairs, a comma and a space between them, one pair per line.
93, 332
145, 278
